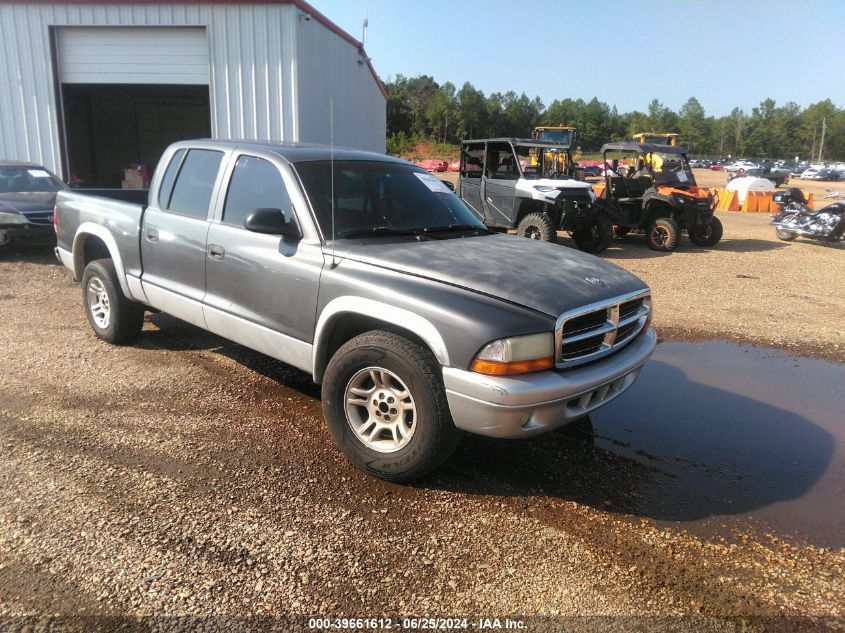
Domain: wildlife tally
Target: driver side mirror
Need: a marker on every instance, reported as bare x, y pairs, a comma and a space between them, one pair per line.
273, 222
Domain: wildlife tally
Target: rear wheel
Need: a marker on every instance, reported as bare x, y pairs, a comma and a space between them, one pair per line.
537, 226
112, 316
595, 237
784, 234
707, 235
663, 234
386, 408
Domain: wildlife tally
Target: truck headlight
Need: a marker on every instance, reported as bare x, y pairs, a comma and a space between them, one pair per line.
544, 188
516, 355
12, 218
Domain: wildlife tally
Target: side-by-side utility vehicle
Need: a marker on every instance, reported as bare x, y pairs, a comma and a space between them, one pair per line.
372, 276
528, 185
657, 194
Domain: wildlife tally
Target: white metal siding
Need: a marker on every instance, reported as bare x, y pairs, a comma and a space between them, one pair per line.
330, 68
128, 54
270, 74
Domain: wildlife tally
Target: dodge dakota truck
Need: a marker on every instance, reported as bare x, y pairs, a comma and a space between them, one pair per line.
368, 273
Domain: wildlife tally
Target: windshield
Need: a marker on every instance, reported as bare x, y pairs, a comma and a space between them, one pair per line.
543, 162
380, 197
564, 137
27, 179
668, 168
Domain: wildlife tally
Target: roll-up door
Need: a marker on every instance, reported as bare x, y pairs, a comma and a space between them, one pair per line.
133, 55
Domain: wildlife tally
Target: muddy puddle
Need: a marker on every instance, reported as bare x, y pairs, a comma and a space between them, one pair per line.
719, 436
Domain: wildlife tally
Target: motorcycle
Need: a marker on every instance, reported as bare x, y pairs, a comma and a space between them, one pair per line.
797, 219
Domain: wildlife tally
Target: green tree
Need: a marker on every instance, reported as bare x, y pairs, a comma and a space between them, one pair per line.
471, 115
693, 126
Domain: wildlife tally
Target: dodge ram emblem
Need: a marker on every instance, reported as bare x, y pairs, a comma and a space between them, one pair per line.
593, 280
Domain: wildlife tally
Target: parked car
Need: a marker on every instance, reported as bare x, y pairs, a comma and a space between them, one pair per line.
27, 196
811, 173
434, 164
799, 168
741, 164
369, 274
591, 171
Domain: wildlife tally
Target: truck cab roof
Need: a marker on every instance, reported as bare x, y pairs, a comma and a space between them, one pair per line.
292, 152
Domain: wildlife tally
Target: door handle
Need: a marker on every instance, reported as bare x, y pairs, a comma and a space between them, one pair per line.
216, 252
151, 234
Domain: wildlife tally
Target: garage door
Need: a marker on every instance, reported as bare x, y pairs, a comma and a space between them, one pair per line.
133, 55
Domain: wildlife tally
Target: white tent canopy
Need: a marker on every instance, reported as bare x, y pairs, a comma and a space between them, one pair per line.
749, 183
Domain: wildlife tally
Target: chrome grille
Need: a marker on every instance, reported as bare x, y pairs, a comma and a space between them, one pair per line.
599, 329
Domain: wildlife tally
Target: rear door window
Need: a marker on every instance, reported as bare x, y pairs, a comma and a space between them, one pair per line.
169, 177
255, 184
195, 183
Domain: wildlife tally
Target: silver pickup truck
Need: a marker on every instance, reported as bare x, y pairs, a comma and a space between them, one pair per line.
368, 273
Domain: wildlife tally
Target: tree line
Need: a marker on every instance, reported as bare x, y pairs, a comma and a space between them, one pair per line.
420, 109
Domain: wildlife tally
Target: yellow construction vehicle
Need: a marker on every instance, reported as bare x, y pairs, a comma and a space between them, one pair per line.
657, 139
561, 135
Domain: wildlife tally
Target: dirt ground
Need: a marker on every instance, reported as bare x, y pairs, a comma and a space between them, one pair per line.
186, 482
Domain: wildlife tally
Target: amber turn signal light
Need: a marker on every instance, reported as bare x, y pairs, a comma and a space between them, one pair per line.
498, 368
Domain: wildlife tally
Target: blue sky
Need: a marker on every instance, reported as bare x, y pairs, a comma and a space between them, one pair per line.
626, 53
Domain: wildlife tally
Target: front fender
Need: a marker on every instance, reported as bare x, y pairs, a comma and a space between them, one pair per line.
393, 315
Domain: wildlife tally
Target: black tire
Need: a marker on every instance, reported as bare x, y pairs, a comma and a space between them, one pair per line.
784, 234
663, 234
124, 318
537, 226
596, 237
434, 436
619, 232
709, 235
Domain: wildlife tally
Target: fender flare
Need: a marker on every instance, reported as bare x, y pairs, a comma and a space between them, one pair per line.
390, 314
90, 228
650, 201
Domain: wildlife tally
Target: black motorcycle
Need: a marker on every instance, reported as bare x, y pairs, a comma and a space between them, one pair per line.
796, 218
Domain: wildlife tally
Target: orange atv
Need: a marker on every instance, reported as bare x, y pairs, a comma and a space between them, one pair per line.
656, 194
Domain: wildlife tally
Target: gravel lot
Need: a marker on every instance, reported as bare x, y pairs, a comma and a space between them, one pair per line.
187, 476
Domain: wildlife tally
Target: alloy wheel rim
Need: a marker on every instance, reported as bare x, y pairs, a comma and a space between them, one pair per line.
659, 235
98, 303
380, 410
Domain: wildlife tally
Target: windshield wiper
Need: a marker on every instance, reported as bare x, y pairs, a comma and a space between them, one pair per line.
377, 231
456, 227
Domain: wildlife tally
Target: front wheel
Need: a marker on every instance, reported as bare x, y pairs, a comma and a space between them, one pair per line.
386, 408
663, 234
537, 226
595, 237
707, 235
113, 317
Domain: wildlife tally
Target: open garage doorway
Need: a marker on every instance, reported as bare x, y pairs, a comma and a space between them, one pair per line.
111, 127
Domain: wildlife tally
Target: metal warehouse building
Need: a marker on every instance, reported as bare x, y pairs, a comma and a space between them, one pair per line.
90, 89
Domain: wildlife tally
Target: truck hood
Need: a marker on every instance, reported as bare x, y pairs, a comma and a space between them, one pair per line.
544, 277
23, 201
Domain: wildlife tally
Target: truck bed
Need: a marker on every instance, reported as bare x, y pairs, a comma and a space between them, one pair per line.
113, 214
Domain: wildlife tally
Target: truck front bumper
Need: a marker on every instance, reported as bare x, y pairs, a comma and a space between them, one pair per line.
521, 406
